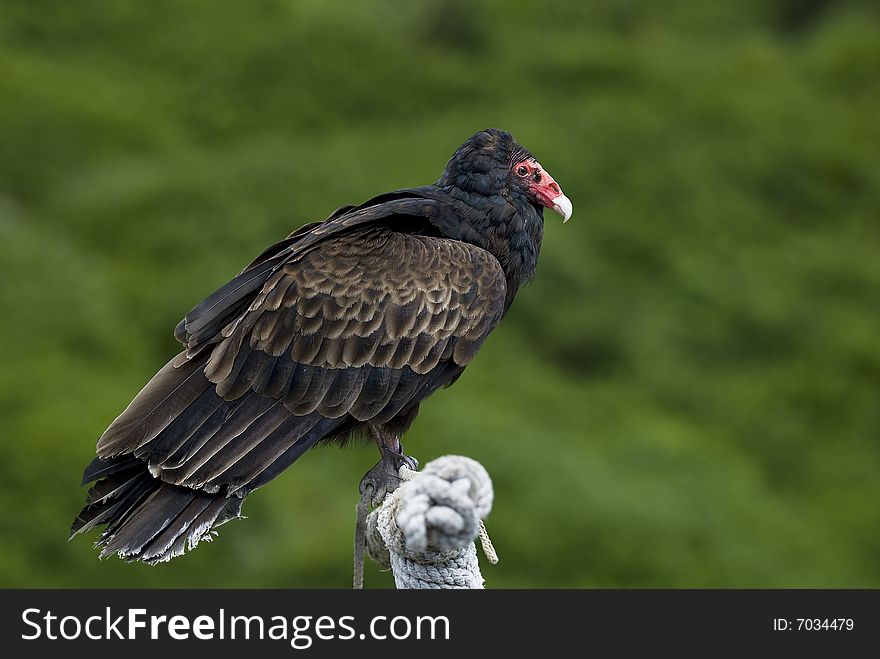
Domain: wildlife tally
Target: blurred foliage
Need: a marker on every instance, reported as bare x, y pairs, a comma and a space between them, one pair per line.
686, 396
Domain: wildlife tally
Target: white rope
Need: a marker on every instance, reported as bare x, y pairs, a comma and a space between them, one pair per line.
425, 530
488, 547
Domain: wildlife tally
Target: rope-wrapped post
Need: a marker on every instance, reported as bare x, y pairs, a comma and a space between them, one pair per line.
425, 530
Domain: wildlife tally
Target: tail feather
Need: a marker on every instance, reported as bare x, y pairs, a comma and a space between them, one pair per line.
111, 513
179, 460
98, 468
162, 542
148, 520
110, 488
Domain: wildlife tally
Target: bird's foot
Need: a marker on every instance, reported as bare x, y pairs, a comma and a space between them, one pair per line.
381, 480
384, 477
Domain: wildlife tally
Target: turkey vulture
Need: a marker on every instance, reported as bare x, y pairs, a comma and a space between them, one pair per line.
339, 330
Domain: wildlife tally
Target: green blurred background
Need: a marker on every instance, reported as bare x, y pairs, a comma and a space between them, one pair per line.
688, 395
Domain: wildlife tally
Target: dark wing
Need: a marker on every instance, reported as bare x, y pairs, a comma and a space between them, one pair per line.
359, 326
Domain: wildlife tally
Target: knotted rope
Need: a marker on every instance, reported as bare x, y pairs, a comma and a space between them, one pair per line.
425, 530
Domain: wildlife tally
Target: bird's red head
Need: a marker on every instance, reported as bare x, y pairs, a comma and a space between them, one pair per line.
541, 187
491, 163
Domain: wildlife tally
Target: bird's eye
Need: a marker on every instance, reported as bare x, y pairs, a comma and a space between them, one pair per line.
522, 170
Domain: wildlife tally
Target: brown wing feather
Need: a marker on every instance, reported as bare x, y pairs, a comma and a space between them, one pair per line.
369, 298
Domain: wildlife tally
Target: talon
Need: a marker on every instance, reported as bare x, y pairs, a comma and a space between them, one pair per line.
384, 477
367, 488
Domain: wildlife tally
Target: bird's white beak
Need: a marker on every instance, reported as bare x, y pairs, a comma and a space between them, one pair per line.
562, 205
548, 193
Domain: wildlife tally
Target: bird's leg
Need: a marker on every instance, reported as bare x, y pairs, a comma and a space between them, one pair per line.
382, 479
